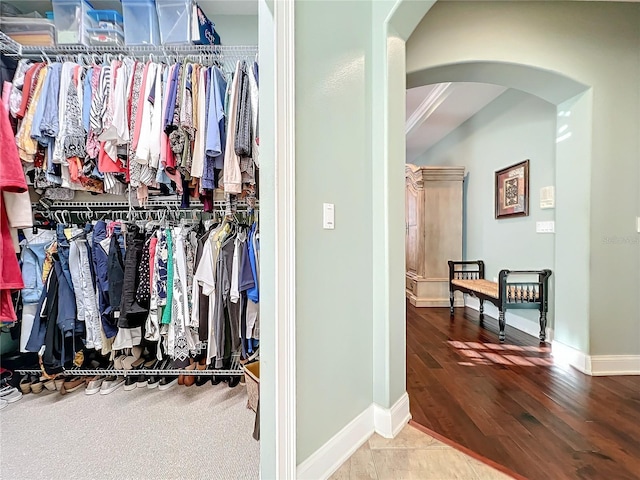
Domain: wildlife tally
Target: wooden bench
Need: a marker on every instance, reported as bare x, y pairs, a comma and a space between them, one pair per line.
468, 277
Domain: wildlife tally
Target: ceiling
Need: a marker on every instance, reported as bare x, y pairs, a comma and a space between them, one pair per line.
434, 111
210, 7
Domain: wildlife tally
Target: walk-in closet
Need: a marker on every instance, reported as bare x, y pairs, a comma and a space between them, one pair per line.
130, 237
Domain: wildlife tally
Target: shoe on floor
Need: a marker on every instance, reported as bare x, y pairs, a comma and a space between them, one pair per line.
59, 382
37, 384
72, 385
190, 379
111, 384
234, 380
25, 384
131, 382
202, 379
94, 384
148, 365
153, 381
10, 394
167, 382
50, 384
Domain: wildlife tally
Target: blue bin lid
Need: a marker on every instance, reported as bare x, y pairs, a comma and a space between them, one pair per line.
106, 15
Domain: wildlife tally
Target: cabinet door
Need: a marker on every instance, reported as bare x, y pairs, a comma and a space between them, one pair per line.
411, 230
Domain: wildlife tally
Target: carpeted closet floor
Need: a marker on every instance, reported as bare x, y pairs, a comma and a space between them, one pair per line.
180, 433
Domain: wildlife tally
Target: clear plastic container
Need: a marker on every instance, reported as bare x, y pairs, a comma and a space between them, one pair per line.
105, 37
107, 19
72, 19
174, 18
29, 31
140, 22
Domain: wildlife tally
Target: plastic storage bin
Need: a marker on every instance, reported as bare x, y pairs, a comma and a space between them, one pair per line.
29, 31
105, 37
71, 19
140, 22
174, 18
107, 19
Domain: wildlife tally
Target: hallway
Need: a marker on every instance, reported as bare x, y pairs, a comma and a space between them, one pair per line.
512, 405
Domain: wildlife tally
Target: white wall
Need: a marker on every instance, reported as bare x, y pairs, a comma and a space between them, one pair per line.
514, 127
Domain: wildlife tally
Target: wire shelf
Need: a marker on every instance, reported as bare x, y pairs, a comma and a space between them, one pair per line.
234, 369
196, 204
9, 45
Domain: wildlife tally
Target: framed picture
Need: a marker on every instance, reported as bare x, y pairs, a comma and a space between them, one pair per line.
512, 191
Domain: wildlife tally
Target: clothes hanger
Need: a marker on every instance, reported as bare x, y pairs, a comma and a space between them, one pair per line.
45, 57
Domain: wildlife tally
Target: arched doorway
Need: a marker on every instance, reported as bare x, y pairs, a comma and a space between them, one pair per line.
573, 112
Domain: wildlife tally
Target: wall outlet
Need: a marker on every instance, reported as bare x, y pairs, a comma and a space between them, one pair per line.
495, 279
545, 227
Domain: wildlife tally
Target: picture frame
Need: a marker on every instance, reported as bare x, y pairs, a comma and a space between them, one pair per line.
512, 191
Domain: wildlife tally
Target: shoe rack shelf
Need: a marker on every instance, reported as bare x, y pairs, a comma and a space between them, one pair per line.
235, 369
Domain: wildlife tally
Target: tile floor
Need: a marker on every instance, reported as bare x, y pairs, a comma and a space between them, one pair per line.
413, 455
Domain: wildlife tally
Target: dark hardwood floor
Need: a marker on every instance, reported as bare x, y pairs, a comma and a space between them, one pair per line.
511, 404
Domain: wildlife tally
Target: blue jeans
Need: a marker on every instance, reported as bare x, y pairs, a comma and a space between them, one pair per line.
32, 258
100, 269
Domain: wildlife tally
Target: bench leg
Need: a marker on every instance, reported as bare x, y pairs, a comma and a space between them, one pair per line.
543, 326
481, 308
451, 301
501, 323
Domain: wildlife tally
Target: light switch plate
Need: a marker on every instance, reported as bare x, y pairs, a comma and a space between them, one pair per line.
638, 224
328, 216
547, 197
545, 227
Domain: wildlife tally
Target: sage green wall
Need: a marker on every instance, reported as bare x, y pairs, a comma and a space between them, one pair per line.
334, 340
379, 201
514, 127
236, 29
268, 329
598, 44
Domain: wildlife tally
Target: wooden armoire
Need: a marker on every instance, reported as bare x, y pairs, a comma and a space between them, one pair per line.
433, 232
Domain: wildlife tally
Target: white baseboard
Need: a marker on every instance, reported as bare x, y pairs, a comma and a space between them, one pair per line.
513, 320
565, 354
433, 302
328, 458
606, 365
596, 365
387, 422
